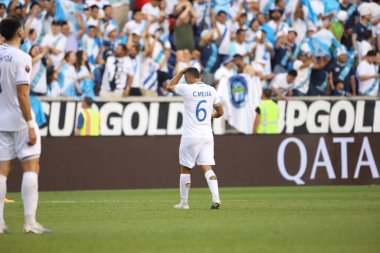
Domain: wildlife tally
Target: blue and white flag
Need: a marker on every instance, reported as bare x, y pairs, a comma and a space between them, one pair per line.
240, 95
313, 17
330, 6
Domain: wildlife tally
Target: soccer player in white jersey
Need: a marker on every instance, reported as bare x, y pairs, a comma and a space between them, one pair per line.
19, 134
197, 142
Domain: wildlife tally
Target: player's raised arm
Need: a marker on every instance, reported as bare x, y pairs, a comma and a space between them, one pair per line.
175, 80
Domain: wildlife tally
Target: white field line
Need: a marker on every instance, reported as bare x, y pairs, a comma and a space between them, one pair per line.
112, 201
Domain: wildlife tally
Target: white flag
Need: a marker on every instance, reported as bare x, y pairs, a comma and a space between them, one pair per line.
240, 95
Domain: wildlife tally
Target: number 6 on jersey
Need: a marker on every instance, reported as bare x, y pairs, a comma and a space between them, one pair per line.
200, 110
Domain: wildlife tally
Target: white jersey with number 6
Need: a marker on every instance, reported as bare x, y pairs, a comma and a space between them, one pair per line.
199, 102
15, 69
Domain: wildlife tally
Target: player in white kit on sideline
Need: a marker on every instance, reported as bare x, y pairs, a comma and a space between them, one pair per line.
201, 105
19, 133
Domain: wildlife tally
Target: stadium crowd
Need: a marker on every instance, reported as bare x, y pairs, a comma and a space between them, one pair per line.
120, 48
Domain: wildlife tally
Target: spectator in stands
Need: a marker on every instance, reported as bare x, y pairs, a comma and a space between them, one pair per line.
361, 27
239, 23
254, 27
30, 40
243, 67
341, 69
282, 84
137, 23
149, 69
239, 46
183, 27
92, 46
224, 28
318, 85
73, 37
284, 51
107, 23
53, 87
68, 76
134, 63
94, 17
56, 43
118, 74
209, 51
85, 76
368, 74
161, 50
365, 45
262, 49
226, 70
303, 66
38, 84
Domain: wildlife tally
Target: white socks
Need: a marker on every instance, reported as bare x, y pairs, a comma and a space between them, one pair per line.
3, 192
29, 192
184, 187
213, 185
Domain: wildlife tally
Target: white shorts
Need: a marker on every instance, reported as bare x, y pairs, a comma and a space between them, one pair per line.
196, 151
15, 144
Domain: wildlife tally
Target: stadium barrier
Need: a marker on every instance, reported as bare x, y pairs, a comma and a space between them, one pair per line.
163, 116
84, 163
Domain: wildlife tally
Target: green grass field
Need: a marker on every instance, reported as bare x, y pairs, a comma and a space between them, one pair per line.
284, 219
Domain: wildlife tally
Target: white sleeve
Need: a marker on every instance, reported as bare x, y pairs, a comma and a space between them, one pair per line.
274, 83
23, 70
180, 89
362, 71
218, 74
216, 99
297, 65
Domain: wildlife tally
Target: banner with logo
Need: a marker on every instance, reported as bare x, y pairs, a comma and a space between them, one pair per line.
121, 118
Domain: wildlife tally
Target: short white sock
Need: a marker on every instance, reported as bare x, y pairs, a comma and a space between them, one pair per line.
213, 185
3, 192
29, 193
184, 187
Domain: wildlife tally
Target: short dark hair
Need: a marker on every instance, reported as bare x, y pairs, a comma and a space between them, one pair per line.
221, 12
123, 47
94, 6
238, 57
31, 31
292, 72
193, 72
88, 101
92, 27
338, 81
106, 6
9, 27
267, 93
253, 20
33, 4
372, 53
55, 22
367, 34
240, 30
